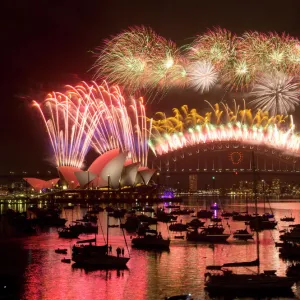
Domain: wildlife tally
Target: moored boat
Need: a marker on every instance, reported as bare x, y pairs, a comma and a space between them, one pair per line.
178, 227
287, 219
195, 223
204, 214
68, 233
61, 251
151, 241
92, 256
211, 234
243, 234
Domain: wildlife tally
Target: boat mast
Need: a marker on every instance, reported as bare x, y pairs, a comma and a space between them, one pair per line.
256, 211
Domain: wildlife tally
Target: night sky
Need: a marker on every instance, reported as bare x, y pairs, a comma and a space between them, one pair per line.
47, 44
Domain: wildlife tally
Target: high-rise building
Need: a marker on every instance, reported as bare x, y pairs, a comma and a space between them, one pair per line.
193, 182
275, 187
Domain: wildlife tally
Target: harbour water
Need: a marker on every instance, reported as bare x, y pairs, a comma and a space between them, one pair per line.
38, 273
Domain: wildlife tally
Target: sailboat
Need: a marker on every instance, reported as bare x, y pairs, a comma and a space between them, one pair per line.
86, 253
204, 213
150, 239
267, 282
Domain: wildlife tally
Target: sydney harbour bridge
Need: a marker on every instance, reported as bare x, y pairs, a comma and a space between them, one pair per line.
225, 161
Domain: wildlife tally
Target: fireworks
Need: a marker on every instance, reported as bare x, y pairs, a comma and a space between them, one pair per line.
216, 46
202, 75
185, 118
139, 58
68, 129
277, 93
188, 128
98, 116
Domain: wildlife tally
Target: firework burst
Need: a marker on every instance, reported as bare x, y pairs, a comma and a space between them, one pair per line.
98, 116
140, 60
217, 46
202, 76
187, 128
137, 59
276, 92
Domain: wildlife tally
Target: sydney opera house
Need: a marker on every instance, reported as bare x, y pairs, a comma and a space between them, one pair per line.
111, 170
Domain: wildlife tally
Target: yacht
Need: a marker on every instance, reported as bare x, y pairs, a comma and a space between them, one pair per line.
151, 240
212, 234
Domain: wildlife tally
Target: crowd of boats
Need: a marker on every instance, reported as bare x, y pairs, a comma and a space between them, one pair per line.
205, 227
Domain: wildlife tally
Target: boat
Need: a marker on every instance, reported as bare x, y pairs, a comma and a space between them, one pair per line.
179, 237
248, 284
287, 219
165, 217
290, 250
291, 236
242, 234
61, 251
226, 214
204, 214
68, 233
211, 234
88, 254
182, 211
178, 227
242, 217
245, 284
66, 260
242, 264
149, 220
262, 223
216, 219
131, 224
84, 227
268, 215
195, 223
151, 241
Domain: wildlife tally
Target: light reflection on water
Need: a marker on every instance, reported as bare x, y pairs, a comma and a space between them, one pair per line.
150, 275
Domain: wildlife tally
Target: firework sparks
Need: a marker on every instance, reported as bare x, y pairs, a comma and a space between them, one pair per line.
137, 59
217, 46
277, 93
188, 128
98, 116
68, 127
202, 76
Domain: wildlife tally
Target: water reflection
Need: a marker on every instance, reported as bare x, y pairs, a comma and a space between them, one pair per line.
150, 275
